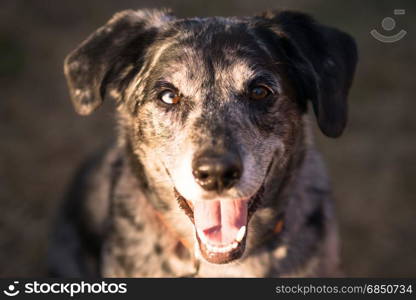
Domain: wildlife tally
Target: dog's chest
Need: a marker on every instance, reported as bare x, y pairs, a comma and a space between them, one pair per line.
137, 244
145, 255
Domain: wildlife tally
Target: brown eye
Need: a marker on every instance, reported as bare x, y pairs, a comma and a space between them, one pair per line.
169, 97
259, 92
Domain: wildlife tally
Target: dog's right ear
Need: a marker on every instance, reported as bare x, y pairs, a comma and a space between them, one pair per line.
102, 63
322, 61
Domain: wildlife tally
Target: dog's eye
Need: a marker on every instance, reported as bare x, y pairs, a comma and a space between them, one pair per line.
259, 92
169, 97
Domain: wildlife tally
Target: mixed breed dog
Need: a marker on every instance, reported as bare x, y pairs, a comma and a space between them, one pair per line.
214, 172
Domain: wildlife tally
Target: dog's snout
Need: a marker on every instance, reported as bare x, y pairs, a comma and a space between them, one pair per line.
215, 172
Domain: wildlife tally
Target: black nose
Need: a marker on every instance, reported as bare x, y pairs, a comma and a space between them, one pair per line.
214, 172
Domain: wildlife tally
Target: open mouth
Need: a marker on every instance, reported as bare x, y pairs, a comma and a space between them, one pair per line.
221, 225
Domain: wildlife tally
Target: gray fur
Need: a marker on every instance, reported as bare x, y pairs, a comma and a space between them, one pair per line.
126, 221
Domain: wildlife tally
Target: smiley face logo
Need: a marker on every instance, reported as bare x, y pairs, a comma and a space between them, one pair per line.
11, 290
389, 24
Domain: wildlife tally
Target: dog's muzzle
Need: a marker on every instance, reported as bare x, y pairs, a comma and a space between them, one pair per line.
221, 222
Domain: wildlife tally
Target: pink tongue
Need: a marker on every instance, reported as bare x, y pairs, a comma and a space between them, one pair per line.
220, 220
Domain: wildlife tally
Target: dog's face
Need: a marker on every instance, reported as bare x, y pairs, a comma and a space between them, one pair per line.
208, 105
216, 108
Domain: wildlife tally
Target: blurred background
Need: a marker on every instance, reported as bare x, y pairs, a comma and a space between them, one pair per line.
42, 140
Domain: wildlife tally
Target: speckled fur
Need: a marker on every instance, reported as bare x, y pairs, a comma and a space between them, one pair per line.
122, 218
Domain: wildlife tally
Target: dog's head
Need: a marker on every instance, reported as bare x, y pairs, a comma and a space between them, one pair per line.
209, 104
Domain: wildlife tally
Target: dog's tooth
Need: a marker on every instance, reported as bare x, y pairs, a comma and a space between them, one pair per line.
213, 249
240, 234
226, 248
221, 249
209, 247
202, 236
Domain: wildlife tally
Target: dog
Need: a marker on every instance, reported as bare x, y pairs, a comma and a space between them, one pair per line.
214, 172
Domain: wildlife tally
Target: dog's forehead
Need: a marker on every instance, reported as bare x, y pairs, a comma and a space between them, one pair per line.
221, 38
192, 67
212, 52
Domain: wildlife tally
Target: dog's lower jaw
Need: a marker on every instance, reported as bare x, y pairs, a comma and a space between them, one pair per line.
236, 250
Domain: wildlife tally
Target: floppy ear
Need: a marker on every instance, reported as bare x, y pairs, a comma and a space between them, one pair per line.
101, 65
324, 59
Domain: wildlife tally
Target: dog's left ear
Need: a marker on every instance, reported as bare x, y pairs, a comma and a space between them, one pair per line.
324, 60
101, 65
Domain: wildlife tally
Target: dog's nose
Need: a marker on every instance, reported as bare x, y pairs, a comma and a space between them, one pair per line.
217, 172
